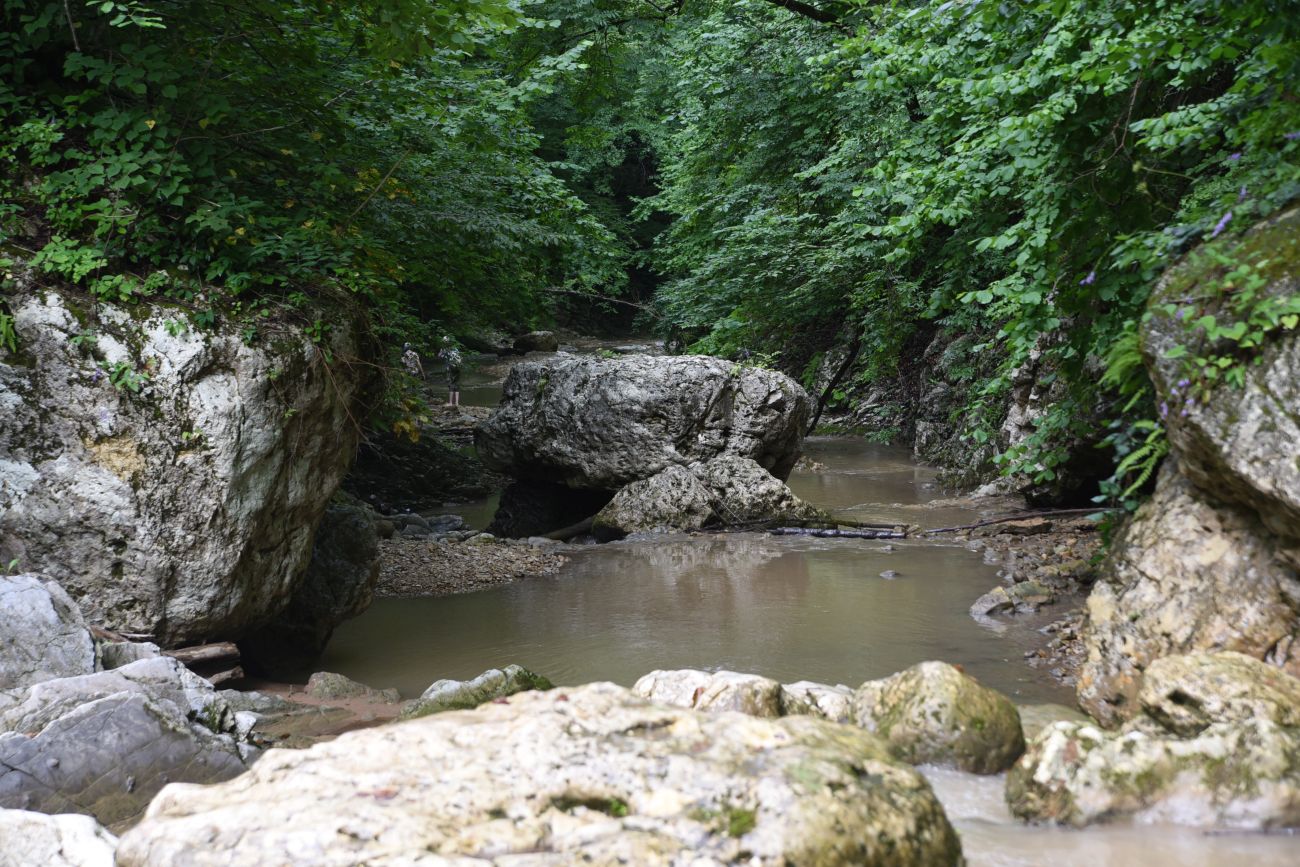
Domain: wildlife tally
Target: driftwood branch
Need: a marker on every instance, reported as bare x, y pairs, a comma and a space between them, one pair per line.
204, 653
823, 532
564, 534
1025, 516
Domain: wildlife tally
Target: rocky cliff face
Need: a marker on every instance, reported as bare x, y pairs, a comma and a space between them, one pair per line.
182, 505
1212, 562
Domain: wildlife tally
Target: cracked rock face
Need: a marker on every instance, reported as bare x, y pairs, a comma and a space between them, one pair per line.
591, 775
42, 634
103, 744
1216, 745
184, 510
1187, 574
600, 423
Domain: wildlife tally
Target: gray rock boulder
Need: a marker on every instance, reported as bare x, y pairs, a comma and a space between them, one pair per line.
712, 691
537, 341
339, 584
445, 695
727, 491
327, 685
42, 634
184, 510
103, 744
36, 840
933, 713
1187, 574
588, 775
598, 423
1216, 745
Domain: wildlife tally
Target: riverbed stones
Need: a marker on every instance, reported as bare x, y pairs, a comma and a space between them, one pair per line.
103, 744
29, 839
728, 491
597, 423
42, 633
1187, 574
181, 507
585, 775
712, 691
495, 683
933, 713
1217, 745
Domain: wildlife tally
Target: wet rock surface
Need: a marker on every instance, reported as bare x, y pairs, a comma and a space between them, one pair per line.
29, 839
600, 423
1216, 745
1187, 574
591, 774
183, 510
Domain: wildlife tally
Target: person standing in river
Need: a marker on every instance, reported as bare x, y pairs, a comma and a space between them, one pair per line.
451, 357
411, 361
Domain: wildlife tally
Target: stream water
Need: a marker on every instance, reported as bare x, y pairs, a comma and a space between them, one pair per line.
787, 607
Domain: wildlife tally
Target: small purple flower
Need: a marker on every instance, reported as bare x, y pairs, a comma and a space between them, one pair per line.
1183, 383
97, 375
1183, 414
1292, 136
1182, 313
1235, 157
1089, 280
1241, 195
1164, 410
1221, 225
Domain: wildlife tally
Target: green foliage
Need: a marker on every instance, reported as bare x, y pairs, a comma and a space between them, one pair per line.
124, 377
8, 337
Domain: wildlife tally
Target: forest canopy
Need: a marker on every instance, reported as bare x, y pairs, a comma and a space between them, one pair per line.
792, 178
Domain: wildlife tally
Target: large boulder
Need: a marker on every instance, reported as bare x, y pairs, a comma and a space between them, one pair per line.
588, 775
537, 341
36, 840
712, 691
42, 634
1237, 442
1187, 574
1212, 562
588, 422
339, 584
1217, 745
495, 683
933, 713
105, 743
727, 491
170, 479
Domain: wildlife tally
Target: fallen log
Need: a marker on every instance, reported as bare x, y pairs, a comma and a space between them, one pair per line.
564, 534
190, 656
1024, 516
226, 676
824, 533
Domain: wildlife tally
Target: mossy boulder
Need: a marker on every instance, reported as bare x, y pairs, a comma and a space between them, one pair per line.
933, 713
445, 695
1216, 745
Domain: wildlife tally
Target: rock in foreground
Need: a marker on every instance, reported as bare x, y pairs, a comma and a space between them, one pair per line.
591, 775
37, 840
933, 713
597, 423
1217, 745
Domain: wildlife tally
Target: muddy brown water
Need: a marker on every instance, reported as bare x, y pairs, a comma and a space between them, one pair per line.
790, 608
